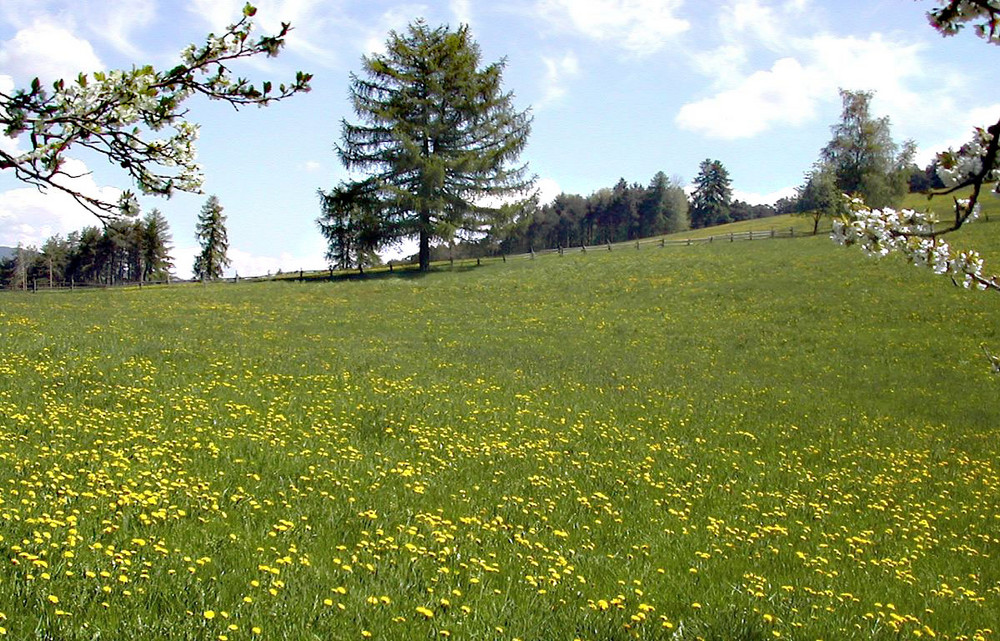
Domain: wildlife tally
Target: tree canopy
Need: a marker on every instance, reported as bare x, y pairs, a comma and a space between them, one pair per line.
862, 155
438, 137
116, 115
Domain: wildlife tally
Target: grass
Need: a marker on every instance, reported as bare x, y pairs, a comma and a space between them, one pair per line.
725, 441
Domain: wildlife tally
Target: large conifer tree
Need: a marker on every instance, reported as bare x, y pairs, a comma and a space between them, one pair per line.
438, 137
211, 233
712, 197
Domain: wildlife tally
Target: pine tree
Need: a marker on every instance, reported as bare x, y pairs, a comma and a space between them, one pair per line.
351, 228
663, 208
439, 137
211, 233
712, 196
156, 259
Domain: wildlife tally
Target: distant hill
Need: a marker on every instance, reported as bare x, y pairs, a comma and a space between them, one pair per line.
7, 252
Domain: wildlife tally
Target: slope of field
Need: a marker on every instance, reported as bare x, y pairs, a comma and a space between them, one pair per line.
726, 441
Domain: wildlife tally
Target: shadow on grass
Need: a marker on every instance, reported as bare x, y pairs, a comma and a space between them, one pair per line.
378, 273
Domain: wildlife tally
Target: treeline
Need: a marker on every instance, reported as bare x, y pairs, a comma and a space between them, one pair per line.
123, 251
621, 213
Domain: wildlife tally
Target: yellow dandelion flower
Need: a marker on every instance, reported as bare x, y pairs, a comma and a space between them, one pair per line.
209, 614
426, 612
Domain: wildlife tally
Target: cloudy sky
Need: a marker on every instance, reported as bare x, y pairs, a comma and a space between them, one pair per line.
618, 89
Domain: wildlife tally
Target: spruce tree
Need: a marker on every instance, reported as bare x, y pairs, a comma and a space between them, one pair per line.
211, 233
438, 137
712, 196
156, 258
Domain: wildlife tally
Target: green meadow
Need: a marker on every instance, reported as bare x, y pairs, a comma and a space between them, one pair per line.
751, 440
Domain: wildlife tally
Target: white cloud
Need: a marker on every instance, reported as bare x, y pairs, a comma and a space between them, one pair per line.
958, 132
312, 166
48, 51
248, 264
641, 27
780, 95
312, 23
29, 216
547, 189
396, 19
754, 198
462, 11
557, 72
121, 19
791, 91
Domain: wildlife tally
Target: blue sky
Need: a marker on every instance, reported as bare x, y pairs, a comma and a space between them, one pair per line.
618, 88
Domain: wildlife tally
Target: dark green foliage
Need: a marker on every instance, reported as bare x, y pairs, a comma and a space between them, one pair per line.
925, 179
351, 227
663, 208
609, 215
438, 137
124, 250
820, 196
710, 203
211, 233
155, 249
864, 159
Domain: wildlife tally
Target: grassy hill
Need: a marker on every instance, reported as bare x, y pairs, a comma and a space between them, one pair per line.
723, 441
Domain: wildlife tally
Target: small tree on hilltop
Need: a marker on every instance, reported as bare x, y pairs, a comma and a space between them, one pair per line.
211, 233
820, 197
862, 156
439, 137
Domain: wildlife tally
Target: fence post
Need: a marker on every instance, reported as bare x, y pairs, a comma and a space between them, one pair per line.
772, 232
688, 242
711, 239
609, 245
792, 230
732, 238
663, 242
637, 244
583, 248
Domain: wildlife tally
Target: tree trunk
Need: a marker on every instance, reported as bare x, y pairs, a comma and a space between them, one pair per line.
425, 241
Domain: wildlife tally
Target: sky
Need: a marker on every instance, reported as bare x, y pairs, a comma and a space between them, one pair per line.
617, 89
